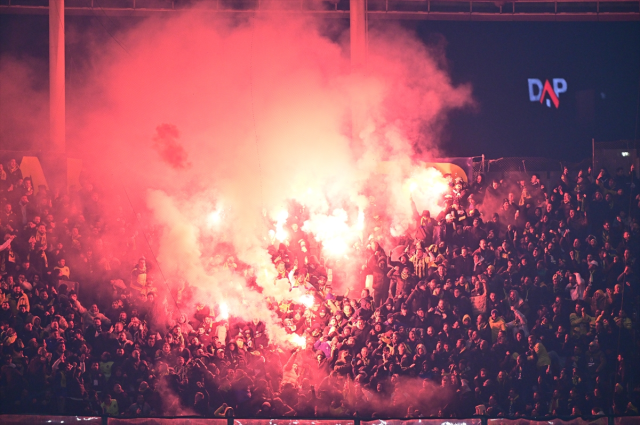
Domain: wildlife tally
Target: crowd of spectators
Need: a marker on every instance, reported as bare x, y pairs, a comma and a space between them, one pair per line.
518, 299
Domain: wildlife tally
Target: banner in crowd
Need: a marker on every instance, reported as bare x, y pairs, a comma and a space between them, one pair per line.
479, 304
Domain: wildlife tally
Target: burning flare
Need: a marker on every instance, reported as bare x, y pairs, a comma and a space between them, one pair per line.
307, 300
224, 311
298, 341
281, 220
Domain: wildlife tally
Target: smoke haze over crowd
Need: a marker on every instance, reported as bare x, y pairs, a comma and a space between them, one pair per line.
242, 116
234, 117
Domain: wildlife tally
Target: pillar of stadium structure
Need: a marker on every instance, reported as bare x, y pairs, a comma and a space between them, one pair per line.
358, 32
54, 158
56, 77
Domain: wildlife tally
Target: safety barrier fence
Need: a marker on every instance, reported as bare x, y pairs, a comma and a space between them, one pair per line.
198, 420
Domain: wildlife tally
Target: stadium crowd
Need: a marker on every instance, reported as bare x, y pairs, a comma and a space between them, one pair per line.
518, 299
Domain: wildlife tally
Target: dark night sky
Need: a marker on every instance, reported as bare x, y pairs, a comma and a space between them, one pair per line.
599, 61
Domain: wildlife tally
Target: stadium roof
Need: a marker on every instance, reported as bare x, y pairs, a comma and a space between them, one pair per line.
568, 10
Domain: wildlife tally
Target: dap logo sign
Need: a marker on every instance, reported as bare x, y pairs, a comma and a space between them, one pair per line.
548, 92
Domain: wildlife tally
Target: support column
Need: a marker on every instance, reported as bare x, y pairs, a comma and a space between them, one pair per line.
56, 77
358, 18
358, 29
53, 157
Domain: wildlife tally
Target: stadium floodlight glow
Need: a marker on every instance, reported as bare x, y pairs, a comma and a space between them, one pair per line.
625, 153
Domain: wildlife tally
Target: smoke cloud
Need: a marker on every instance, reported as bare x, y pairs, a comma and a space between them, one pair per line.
215, 125
262, 110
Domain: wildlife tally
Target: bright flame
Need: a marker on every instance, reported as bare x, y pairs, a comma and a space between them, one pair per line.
360, 220
333, 231
427, 187
307, 300
298, 340
214, 217
335, 247
281, 220
224, 311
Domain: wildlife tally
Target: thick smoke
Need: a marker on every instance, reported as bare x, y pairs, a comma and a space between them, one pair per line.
216, 125
219, 124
